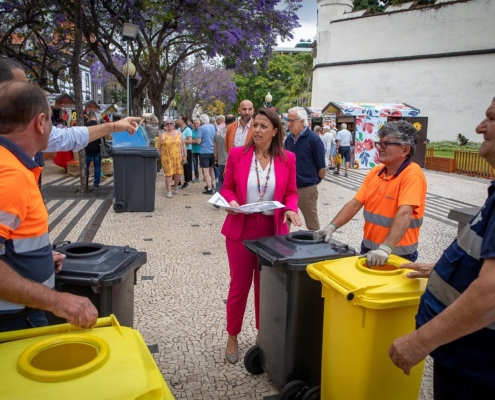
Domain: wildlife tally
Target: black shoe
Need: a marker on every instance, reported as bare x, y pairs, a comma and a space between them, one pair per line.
208, 191
185, 186
330, 168
336, 173
212, 186
96, 187
345, 175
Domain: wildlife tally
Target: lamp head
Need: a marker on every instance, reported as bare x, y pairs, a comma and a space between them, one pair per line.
129, 31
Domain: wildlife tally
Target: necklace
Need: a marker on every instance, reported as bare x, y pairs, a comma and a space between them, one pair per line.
261, 194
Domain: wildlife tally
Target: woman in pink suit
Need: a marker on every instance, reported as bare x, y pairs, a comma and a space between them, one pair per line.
260, 171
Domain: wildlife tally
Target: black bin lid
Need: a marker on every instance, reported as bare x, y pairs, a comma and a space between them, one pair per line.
134, 151
96, 264
296, 250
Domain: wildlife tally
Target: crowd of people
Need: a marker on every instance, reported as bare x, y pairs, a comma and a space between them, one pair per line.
257, 162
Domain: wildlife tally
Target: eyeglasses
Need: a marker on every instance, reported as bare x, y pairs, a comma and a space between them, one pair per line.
384, 145
291, 121
169, 123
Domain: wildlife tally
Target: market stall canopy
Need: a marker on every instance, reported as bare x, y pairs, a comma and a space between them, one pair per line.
371, 109
61, 100
313, 111
108, 109
91, 105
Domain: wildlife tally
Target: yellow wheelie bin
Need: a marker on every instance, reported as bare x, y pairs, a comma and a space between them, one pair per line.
365, 310
64, 362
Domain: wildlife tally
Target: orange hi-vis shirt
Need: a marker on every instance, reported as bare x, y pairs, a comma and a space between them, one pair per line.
25, 245
382, 196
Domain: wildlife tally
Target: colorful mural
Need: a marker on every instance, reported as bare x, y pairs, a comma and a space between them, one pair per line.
370, 117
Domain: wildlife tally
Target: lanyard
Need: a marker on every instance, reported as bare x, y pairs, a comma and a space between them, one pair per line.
260, 193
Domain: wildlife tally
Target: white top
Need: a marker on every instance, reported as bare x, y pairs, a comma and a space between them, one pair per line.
64, 139
252, 194
329, 139
241, 134
345, 137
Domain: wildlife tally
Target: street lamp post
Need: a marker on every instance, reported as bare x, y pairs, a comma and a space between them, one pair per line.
173, 106
268, 100
129, 32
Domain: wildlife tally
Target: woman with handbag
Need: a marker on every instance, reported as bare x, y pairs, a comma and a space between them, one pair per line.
260, 171
173, 153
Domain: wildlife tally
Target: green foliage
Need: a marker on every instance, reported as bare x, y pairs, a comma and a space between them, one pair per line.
287, 77
448, 146
462, 140
376, 7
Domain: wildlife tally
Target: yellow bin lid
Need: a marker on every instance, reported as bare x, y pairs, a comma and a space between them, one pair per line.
376, 287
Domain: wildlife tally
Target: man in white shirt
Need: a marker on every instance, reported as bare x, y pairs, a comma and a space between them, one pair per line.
344, 139
329, 143
74, 138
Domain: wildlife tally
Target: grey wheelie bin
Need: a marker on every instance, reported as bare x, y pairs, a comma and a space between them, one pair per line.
104, 274
291, 310
134, 178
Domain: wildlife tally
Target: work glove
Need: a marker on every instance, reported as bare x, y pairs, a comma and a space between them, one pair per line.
326, 232
379, 256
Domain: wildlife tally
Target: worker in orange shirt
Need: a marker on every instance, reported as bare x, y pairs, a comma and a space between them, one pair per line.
393, 195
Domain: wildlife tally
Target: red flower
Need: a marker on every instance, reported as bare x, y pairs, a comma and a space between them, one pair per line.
369, 144
368, 127
359, 120
359, 147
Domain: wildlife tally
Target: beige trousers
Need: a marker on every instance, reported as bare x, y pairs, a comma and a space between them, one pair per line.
308, 204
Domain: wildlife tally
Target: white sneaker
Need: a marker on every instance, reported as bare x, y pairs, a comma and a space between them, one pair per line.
169, 195
176, 191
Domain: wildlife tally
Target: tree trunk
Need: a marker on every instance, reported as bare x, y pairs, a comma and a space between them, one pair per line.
76, 81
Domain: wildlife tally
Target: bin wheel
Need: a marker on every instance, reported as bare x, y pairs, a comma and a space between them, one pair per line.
293, 390
119, 206
252, 360
312, 394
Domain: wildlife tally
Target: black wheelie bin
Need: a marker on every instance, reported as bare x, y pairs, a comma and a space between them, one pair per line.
291, 310
104, 274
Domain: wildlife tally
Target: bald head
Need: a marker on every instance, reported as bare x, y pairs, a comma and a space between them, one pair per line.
246, 111
11, 70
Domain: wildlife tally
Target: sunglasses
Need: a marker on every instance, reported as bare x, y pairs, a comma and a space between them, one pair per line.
384, 145
169, 123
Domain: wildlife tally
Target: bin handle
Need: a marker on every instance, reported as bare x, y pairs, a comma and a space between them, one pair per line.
53, 329
315, 273
265, 254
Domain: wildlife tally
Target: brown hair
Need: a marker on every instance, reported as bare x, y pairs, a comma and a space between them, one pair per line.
277, 146
20, 102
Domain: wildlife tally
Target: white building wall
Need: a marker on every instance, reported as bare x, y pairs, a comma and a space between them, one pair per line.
452, 91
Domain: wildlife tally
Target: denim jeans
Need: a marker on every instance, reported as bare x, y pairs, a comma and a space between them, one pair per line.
24, 321
450, 385
221, 169
96, 158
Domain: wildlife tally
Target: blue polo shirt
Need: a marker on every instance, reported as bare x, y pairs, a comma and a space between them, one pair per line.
310, 156
206, 133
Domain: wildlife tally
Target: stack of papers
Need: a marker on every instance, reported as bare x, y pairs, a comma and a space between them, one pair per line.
219, 201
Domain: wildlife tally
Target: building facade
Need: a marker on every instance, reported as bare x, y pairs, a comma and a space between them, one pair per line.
440, 58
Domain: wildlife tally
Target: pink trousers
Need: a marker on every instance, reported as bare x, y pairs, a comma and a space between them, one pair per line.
243, 268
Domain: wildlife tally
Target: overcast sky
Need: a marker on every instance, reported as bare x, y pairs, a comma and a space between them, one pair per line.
307, 20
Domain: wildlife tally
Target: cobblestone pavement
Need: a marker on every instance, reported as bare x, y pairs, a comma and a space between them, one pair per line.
181, 291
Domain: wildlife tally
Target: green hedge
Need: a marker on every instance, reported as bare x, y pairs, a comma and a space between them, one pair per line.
452, 146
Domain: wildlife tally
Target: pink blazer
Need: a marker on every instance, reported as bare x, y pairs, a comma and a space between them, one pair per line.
235, 188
